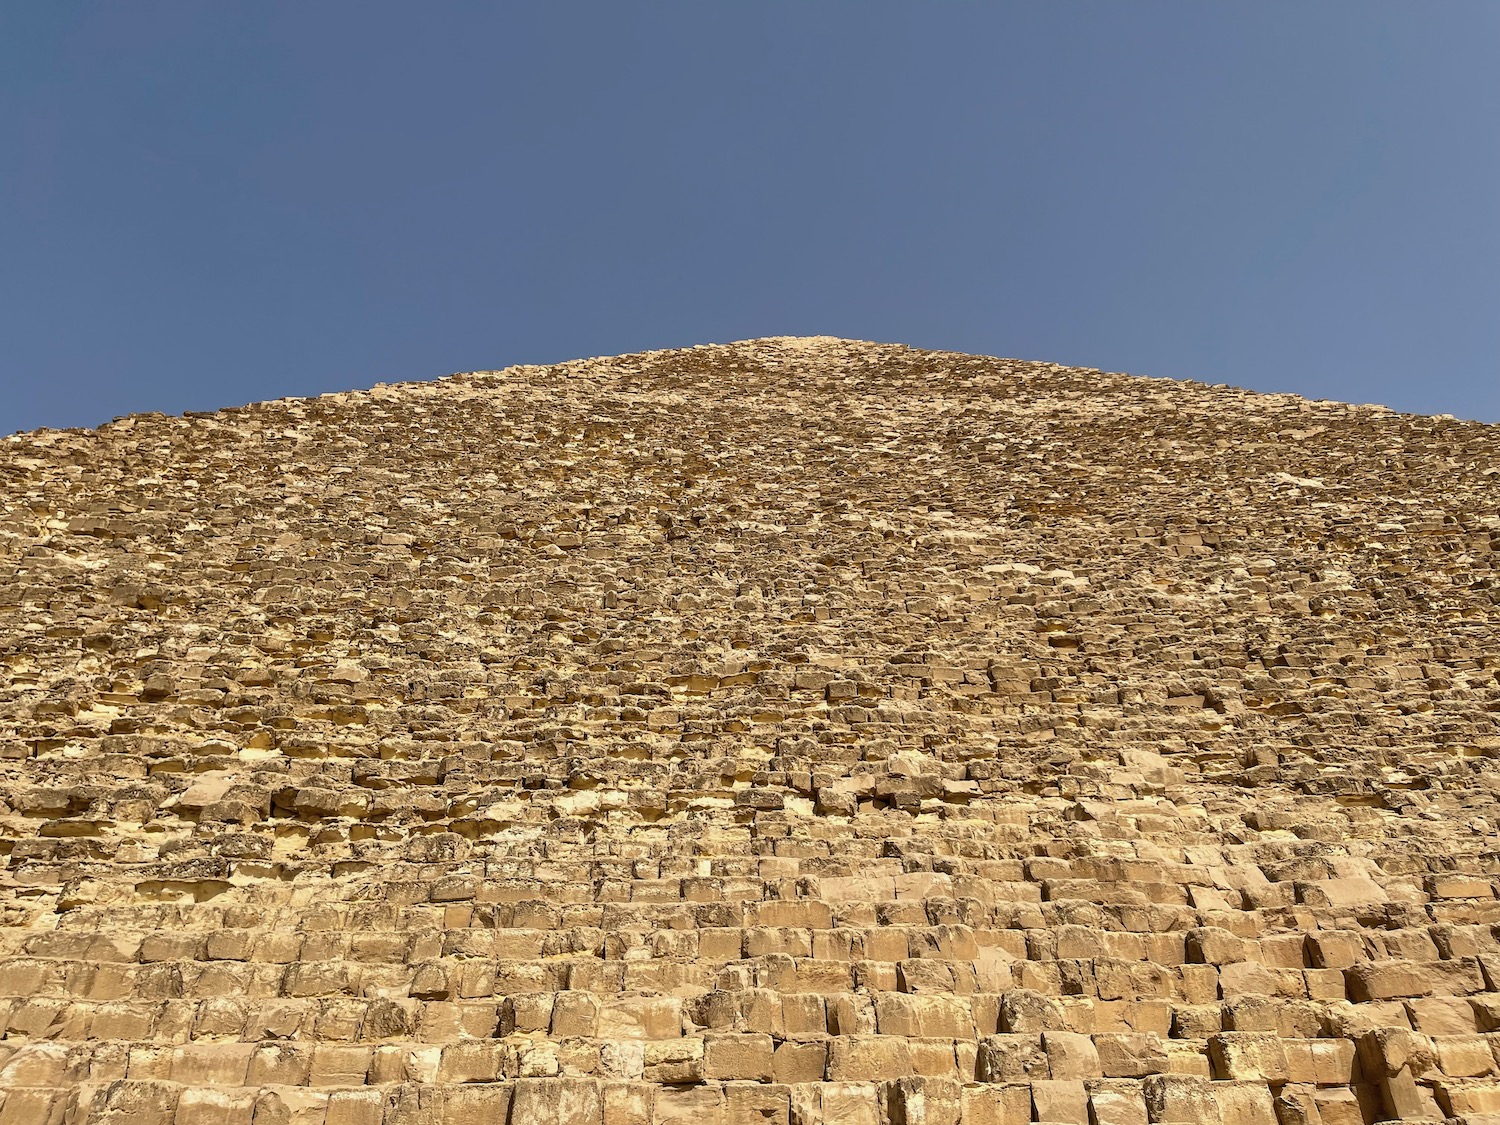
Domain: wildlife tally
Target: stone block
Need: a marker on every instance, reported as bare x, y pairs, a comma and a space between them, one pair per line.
823, 1103
799, 1061
738, 1057
1386, 980
37, 1063
640, 1017
32, 1106
1442, 1015
923, 1101
131, 1102
1210, 945
1116, 1103
803, 1014
212, 1064
1060, 1100
1406, 1100
356, 1107
1342, 1107
473, 1061
868, 1058
1130, 1055
1244, 1103
995, 1105
1180, 1100
1012, 1058
1027, 1012
918, 1015
754, 1103
219, 1107
688, 1105
627, 1103
1248, 1055
1070, 1055
1468, 1100
280, 1064
1323, 1062
543, 1101
1464, 1056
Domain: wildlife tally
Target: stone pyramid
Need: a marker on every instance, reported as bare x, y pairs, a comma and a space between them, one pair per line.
791, 731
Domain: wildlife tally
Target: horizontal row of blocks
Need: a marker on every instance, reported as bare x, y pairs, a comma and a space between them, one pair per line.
479, 977
623, 934
1229, 1056
572, 1013
1165, 1100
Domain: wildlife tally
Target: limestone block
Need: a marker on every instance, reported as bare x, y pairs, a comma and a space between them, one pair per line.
1070, 1055
854, 1103
1130, 1055
1210, 945
674, 1060
35, 1064
1405, 1100
868, 1058
641, 1017
1342, 1107
799, 1061
995, 1105
908, 1015
1468, 1100
738, 1057
625, 1103
1180, 1100
688, 1105
220, 1107
34, 1106
356, 1107
754, 1103
851, 1014
933, 1058
924, 1101
803, 1015
476, 1061
1464, 1056
1354, 891
1059, 1100
129, 1102
542, 1101
1012, 1058
1116, 1103
1028, 1012
213, 1064
1442, 1016
1387, 1051
1323, 1062
1250, 978
1248, 1055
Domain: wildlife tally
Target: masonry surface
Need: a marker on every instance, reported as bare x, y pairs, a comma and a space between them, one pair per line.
792, 731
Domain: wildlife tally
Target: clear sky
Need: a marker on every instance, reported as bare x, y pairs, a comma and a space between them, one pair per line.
206, 203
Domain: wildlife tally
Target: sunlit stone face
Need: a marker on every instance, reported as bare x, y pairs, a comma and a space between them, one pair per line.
797, 730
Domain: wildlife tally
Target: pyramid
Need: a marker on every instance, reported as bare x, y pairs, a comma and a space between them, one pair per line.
789, 731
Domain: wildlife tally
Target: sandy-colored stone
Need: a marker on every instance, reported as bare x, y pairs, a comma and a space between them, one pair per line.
792, 731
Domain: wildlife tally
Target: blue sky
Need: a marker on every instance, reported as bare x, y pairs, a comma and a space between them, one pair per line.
205, 203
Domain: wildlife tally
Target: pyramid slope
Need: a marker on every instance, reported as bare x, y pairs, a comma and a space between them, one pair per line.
793, 730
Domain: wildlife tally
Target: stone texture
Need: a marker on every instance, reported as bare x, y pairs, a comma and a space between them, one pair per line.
792, 731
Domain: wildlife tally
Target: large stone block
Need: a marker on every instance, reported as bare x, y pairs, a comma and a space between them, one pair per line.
542, 1101
868, 1058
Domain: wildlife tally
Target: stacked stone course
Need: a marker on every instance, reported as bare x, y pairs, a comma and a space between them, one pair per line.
792, 731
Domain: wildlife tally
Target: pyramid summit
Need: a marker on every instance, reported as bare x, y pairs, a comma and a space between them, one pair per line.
789, 731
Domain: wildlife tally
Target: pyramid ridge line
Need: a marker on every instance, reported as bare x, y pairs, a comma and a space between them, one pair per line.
813, 347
